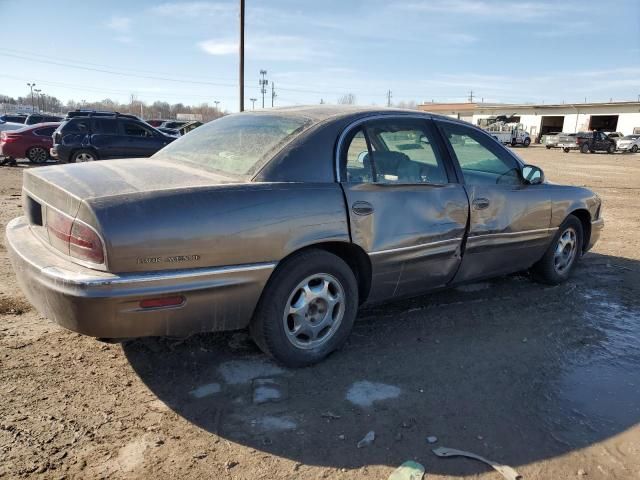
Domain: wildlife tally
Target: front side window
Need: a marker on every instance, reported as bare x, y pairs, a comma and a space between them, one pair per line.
134, 129
236, 145
399, 151
482, 160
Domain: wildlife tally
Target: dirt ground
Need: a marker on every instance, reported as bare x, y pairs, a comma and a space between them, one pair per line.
544, 379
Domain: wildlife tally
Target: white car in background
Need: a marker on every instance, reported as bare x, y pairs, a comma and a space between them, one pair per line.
10, 126
629, 143
615, 136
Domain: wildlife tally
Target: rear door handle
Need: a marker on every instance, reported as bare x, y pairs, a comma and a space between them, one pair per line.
481, 203
362, 208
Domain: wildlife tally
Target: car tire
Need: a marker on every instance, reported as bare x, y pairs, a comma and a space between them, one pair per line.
562, 255
84, 155
584, 148
566, 150
332, 289
527, 142
611, 149
37, 155
634, 149
548, 147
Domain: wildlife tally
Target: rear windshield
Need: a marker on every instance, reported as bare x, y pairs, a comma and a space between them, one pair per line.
236, 144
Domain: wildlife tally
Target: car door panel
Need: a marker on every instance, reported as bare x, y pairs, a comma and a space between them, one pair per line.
412, 233
509, 222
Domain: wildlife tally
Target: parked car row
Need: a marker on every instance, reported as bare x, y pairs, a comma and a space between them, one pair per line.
589, 142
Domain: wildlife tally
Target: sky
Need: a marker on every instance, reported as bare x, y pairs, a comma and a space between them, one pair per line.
313, 51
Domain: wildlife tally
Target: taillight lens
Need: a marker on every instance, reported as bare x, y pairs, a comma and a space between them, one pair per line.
7, 138
74, 238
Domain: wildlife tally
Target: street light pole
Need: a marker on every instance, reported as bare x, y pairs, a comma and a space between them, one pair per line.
37, 90
31, 85
241, 55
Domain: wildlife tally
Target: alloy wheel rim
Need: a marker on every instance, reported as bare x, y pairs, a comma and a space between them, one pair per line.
314, 311
84, 157
37, 155
565, 251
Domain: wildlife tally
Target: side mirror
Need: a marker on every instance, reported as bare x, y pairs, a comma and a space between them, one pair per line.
532, 175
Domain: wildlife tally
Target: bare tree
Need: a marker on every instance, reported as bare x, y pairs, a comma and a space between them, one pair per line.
347, 99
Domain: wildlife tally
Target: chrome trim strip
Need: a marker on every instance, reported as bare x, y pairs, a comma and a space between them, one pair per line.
513, 234
414, 247
360, 121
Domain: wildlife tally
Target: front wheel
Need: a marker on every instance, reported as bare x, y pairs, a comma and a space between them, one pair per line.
634, 149
566, 150
548, 147
307, 309
611, 149
527, 142
562, 255
584, 148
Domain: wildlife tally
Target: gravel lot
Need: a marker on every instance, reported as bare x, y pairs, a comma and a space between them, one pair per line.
544, 379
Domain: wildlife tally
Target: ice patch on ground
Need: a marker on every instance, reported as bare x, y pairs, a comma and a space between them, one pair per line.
205, 390
237, 372
270, 423
365, 393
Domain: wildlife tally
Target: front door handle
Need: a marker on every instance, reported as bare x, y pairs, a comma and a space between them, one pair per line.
481, 203
362, 208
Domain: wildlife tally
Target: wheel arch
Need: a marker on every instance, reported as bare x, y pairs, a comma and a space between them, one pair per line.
585, 219
353, 255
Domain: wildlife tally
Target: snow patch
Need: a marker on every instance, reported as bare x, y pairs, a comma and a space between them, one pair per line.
365, 393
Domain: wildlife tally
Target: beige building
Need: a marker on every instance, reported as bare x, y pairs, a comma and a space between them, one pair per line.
540, 119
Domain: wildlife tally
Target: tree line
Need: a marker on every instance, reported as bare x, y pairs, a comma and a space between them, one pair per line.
157, 109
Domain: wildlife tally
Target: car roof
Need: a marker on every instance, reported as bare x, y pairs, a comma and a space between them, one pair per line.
37, 126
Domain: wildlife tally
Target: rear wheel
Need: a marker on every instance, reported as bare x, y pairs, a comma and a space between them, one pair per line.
634, 149
527, 142
562, 255
37, 155
82, 156
548, 147
307, 309
566, 150
584, 148
611, 149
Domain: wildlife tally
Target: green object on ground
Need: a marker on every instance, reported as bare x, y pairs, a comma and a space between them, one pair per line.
408, 471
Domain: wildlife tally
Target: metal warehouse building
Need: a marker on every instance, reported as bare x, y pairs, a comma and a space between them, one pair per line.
540, 119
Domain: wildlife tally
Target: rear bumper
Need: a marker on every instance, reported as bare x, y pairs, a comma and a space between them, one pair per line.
596, 229
102, 304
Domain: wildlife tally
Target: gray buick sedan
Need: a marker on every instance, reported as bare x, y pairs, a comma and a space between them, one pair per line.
285, 221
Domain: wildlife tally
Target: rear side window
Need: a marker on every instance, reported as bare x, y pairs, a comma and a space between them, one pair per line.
45, 132
105, 126
482, 160
77, 126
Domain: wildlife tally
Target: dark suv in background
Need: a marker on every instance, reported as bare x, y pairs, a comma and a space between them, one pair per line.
88, 137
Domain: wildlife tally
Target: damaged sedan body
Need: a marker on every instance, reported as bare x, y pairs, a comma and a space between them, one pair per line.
286, 222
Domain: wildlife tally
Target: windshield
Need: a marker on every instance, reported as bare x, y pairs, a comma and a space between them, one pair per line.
235, 144
631, 137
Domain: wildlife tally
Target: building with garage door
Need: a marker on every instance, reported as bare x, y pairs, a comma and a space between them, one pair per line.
540, 119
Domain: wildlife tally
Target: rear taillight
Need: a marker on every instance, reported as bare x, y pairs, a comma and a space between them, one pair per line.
8, 138
74, 237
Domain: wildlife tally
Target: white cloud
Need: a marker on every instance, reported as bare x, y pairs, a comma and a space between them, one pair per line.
268, 47
193, 9
119, 23
493, 9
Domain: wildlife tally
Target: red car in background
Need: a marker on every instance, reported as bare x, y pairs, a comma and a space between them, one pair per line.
32, 142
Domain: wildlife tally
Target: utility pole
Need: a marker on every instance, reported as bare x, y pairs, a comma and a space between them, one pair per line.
241, 55
388, 98
471, 96
38, 90
31, 85
263, 82
273, 93
322, 101
253, 103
